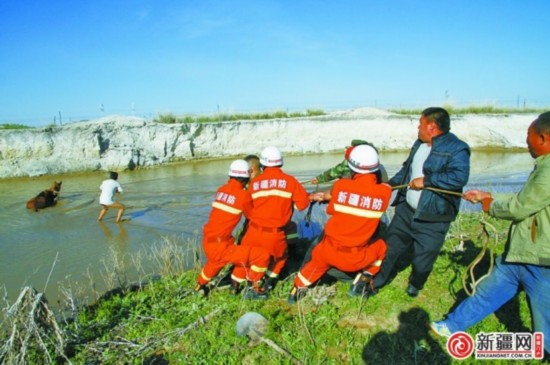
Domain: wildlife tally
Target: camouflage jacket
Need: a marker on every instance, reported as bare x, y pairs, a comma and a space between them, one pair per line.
342, 170
336, 172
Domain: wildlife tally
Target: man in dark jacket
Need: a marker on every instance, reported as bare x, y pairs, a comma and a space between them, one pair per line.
438, 159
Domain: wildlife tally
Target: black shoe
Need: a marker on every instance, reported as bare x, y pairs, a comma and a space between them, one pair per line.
269, 284
255, 293
296, 294
235, 287
412, 291
362, 285
361, 290
356, 290
201, 290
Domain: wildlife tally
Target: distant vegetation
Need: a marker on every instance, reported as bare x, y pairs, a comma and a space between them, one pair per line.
14, 126
172, 119
481, 109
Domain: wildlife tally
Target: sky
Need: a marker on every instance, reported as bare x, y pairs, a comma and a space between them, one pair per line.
79, 60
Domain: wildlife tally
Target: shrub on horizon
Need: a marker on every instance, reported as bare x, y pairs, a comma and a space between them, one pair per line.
14, 126
166, 118
473, 109
171, 118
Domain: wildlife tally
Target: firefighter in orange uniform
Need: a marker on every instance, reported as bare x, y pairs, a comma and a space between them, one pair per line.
230, 203
274, 194
356, 206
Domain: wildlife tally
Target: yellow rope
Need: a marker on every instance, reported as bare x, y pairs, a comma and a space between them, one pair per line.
470, 269
397, 187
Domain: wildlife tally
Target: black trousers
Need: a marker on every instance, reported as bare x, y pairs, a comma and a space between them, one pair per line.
405, 233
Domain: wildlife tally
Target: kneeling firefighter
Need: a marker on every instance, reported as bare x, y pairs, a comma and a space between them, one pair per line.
349, 242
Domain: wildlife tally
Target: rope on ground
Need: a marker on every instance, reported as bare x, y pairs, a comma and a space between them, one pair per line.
178, 331
469, 272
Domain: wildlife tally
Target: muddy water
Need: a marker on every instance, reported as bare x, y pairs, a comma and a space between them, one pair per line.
62, 243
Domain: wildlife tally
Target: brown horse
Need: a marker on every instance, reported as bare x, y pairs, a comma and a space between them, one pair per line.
46, 198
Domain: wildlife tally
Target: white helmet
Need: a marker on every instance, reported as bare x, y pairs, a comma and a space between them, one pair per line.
363, 159
271, 156
239, 168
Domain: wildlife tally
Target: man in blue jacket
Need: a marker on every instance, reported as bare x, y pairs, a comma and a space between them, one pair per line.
438, 159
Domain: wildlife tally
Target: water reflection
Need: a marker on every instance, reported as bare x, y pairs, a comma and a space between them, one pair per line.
120, 240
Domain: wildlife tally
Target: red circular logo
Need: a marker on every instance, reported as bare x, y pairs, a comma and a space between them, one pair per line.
460, 345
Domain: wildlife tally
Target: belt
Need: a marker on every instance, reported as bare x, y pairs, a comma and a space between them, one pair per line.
346, 249
218, 239
267, 229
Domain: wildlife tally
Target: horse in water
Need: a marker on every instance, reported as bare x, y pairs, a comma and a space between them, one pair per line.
46, 198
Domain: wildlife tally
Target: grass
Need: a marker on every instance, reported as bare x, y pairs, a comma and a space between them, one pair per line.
173, 119
475, 109
164, 322
14, 126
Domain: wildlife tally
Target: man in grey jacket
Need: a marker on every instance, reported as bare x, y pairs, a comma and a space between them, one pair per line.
526, 259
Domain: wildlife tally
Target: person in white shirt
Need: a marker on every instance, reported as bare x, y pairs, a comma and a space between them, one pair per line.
108, 189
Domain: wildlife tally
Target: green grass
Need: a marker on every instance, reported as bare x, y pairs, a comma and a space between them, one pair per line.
165, 323
473, 109
14, 126
173, 119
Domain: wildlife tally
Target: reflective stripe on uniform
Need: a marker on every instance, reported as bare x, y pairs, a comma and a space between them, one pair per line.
226, 208
205, 277
357, 211
271, 274
258, 269
304, 280
272, 192
237, 279
377, 263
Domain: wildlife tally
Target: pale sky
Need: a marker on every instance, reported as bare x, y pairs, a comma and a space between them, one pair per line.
146, 57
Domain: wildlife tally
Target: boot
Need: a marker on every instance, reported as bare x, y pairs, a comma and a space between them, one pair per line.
363, 285
296, 294
412, 291
235, 287
201, 290
254, 292
269, 283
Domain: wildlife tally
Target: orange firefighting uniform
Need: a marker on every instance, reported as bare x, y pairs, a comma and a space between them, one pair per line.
274, 194
230, 202
356, 206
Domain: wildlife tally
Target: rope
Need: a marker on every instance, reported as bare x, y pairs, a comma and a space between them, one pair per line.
437, 190
311, 204
397, 187
470, 269
486, 238
308, 214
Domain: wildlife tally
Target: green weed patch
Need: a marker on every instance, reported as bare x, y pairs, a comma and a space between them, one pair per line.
173, 119
475, 109
14, 126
